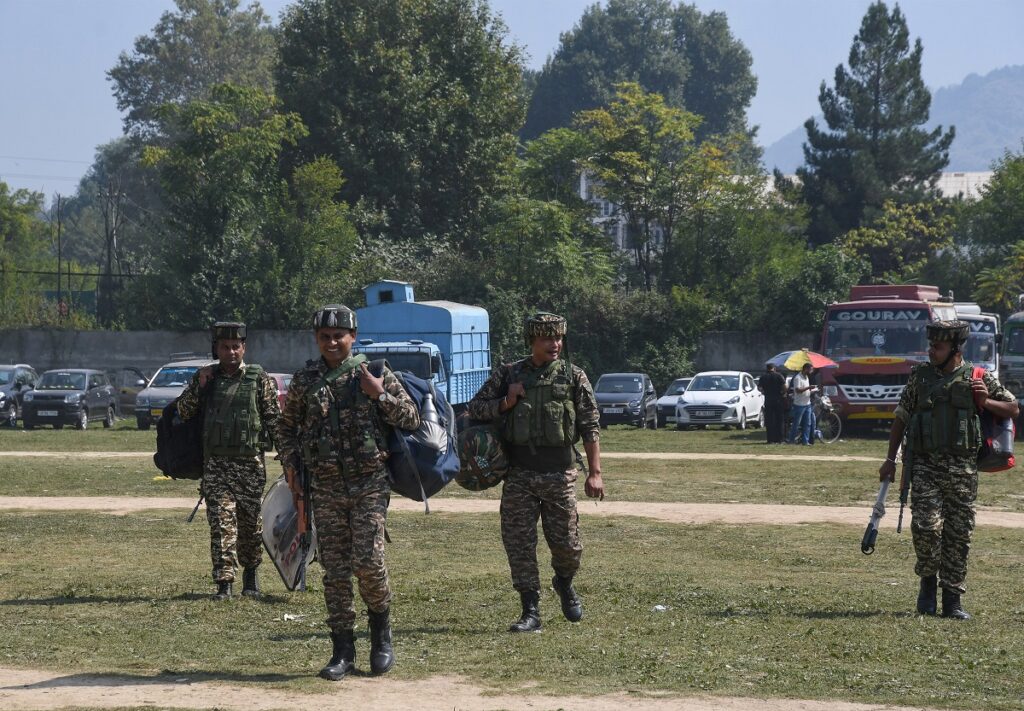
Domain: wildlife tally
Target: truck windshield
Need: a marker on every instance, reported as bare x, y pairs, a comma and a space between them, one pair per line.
1015, 340
416, 363
980, 348
875, 338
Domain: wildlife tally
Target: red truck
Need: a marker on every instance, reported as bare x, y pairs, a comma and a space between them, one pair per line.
876, 338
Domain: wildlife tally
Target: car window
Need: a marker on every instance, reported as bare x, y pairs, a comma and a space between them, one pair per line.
715, 383
58, 380
678, 387
6, 376
173, 377
619, 384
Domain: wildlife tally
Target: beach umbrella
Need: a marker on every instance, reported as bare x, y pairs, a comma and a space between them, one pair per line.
794, 360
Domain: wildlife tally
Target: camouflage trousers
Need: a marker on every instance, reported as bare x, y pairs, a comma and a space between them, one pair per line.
233, 489
350, 518
551, 496
942, 503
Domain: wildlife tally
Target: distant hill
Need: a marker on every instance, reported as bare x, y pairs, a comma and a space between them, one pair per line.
988, 113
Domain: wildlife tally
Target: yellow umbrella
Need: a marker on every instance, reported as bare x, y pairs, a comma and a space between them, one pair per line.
797, 360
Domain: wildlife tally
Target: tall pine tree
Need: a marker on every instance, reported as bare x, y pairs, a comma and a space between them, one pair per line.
875, 148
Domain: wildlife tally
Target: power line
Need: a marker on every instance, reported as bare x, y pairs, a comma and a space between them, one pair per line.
41, 177
47, 160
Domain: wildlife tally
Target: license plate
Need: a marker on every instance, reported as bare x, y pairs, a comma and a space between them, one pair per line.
47, 413
156, 413
705, 413
613, 411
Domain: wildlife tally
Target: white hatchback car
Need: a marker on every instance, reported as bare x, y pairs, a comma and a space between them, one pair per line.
720, 397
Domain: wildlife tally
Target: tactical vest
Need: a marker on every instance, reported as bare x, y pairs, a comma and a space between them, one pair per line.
232, 426
946, 417
357, 436
546, 416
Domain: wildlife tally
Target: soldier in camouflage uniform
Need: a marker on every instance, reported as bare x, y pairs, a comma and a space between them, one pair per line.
238, 402
332, 424
937, 413
544, 404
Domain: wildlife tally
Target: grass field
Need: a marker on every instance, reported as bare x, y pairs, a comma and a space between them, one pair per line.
749, 610
752, 611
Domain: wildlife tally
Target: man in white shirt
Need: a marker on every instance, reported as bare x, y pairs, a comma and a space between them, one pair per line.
802, 390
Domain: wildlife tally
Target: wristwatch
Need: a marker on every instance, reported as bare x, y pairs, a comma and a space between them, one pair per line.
385, 397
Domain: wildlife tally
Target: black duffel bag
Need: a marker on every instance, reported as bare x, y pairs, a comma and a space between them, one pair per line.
179, 444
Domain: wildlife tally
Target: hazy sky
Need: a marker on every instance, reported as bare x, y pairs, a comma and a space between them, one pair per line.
56, 105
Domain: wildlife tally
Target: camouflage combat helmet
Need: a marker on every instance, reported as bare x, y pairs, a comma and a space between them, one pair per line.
335, 316
225, 329
955, 332
483, 463
543, 323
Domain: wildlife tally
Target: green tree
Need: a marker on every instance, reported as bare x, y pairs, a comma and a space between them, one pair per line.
874, 148
223, 194
203, 44
902, 240
688, 57
417, 101
996, 220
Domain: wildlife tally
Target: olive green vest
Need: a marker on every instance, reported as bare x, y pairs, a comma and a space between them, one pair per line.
232, 426
546, 416
946, 419
356, 437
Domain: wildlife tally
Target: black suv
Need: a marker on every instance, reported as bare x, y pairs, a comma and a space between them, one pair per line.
627, 398
70, 397
15, 381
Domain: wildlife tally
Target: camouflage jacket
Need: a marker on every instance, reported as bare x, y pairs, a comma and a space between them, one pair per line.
192, 399
337, 425
486, 404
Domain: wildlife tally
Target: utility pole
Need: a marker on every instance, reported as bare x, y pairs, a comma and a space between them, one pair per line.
59, 316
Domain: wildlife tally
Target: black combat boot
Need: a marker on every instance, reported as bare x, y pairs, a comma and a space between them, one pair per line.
382, 655
343, 658
250, 584
530, 619
223, 590
926, 596
572, 608
951, 606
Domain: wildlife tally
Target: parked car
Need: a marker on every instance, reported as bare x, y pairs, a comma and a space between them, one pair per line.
667, 402
129, 382
282, 380
73, 396
720, 397
167, 384
15, 381
627, 398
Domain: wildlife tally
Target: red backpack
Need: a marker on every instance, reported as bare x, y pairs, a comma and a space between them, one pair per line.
997, 434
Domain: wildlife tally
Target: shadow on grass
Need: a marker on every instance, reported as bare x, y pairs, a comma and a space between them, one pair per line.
83, 600
813, 614
363, 633
168, 676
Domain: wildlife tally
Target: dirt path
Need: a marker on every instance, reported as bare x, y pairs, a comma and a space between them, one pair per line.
605, 455
24, 690
672, 512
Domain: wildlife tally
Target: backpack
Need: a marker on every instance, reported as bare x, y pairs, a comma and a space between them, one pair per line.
997, 433
179, 444
421, 462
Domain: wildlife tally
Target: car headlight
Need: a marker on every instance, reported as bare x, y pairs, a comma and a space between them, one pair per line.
28, 397
73, 398
142, 401
634, 403
733, 400
681, 400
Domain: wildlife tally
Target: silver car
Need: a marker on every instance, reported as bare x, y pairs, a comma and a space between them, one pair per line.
167, 384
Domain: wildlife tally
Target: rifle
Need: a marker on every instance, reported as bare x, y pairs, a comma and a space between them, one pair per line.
905, 480
304, 523
193, 514
867, 544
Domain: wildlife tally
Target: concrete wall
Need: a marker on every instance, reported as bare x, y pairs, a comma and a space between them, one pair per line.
45, 349
287, 351
739, 350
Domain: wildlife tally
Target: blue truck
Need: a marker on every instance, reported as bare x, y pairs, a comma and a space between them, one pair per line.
446, 342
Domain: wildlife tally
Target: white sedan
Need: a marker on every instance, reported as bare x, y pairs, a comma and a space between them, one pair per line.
720, 397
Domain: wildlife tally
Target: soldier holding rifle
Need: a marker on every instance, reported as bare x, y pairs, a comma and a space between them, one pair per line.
938, 415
